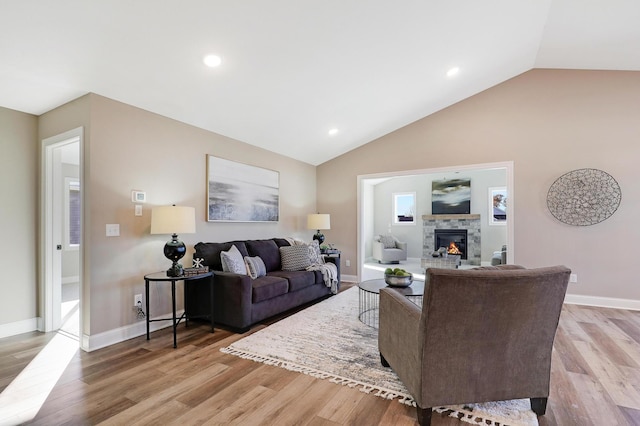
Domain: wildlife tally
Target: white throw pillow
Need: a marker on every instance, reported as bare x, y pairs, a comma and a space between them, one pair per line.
232, 261
315, 258
255, 266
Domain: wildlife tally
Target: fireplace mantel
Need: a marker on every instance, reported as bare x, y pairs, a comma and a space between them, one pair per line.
450, 216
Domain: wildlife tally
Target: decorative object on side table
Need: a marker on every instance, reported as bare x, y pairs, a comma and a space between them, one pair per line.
319, 221
190, 272
173, 220
397, 277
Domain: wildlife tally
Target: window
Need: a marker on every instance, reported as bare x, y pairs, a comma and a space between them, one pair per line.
404, 208
72, 213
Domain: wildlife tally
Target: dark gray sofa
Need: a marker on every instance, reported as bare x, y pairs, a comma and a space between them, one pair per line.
239, 300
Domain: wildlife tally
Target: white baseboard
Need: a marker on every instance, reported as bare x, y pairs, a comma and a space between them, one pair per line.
18, 327
349, 278
117, 335
603, 302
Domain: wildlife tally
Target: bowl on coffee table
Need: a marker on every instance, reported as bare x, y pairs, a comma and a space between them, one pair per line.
394, 280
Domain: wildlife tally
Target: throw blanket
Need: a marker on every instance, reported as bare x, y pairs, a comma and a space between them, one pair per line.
329, 274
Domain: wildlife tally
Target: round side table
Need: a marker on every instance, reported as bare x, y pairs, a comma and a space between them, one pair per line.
369, 298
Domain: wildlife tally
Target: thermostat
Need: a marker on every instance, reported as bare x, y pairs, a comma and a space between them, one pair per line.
138, 196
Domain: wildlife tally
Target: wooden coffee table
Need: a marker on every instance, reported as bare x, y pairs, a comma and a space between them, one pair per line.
369, 298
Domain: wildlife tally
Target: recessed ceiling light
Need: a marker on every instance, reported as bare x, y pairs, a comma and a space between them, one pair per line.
333, 132
212, 61
453, 71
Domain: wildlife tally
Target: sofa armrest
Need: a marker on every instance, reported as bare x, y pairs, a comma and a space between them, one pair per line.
232, 299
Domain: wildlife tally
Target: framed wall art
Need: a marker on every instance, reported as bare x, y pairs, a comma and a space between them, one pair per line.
497, 205
238, 192
451, 196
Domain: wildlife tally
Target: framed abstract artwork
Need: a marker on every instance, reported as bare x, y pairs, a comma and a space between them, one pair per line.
238, 192
451, 196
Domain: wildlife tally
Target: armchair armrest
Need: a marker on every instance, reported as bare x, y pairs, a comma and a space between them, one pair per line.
399, 340
377, 249
402, 246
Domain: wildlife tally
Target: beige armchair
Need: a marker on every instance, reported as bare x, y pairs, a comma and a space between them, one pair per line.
481, 335
388, 249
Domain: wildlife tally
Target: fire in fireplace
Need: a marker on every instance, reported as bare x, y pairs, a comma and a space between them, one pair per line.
454, 240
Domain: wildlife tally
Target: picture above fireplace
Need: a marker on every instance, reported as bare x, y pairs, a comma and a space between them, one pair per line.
451, 196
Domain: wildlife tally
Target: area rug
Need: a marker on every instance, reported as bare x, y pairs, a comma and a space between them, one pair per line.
328, 341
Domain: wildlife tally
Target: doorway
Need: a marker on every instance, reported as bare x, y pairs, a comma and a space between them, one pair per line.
62, 233
377, 217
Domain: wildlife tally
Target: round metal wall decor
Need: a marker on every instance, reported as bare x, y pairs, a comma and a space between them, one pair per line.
584, 197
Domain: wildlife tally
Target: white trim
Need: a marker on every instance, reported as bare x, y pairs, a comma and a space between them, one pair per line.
71, 280
18, 327
349, 278
603, 302
117, 335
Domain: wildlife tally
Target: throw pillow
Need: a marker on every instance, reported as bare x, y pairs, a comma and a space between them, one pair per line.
295, 258
315, 258
255, 266
388, 241
232, 261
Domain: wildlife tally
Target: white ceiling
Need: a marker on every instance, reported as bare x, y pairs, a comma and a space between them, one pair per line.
292, 70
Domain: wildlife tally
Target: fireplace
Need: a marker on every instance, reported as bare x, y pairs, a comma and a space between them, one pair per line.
450, 238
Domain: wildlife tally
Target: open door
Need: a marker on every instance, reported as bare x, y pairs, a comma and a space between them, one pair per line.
61, 237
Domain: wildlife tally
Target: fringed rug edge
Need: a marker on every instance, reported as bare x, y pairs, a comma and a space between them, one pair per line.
344, 381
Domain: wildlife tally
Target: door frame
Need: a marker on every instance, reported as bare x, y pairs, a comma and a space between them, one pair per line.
48, 238
364, 188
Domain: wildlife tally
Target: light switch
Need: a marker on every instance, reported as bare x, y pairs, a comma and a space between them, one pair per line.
138, 209
113, 230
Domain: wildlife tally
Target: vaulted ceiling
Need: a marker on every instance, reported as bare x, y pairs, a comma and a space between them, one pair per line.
292, 70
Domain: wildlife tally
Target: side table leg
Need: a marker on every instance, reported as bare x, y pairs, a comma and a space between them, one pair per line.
173, 300
146, 298
211, 283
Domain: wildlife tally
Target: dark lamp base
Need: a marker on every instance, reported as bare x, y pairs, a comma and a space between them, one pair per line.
318, 236
175, 270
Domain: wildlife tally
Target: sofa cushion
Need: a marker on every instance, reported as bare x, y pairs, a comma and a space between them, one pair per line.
297, 279
255, 266
295, 258
268, 252
314, 253
232, 261
210, 252
268, 287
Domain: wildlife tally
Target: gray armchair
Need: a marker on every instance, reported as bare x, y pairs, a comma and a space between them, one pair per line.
388, 249
482, 334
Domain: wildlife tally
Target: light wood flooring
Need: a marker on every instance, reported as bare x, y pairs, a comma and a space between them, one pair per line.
595, 381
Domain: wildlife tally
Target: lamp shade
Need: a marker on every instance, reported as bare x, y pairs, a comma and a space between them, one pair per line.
319, 221
173, 220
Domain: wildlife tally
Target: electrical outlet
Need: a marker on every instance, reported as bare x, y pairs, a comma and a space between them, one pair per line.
347, 262
573, 278
137, 299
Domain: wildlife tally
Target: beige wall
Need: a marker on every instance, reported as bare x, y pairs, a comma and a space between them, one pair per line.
548, 122
127, 148
18, 216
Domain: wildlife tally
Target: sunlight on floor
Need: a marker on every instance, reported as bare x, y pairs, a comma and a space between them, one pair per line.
23, 398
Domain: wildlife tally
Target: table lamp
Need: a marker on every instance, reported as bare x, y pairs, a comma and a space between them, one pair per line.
173, 220
319, 221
